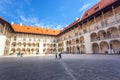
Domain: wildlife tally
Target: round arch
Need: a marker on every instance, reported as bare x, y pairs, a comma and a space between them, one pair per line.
28, 51
78, 49
112, 32
115, 45
102, 34
13, 51
73, 41
14, 44
104, 47
81, 39
95, 48
77, 40
94, 37
83, 49
19, 43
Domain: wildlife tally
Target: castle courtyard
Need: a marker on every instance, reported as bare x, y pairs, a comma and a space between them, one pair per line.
71, 67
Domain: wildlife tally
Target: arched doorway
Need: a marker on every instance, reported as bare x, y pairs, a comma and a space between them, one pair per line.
81, 39
104, 47
12, 51
115, 46
37, 51
112, 32
95, 48
83, 49
77, 40
73, 48
67, 49
70, 42
24, 44
73, 41
27, 51
94, 37
67, 43
102, 34
14, 44
78, 49
23, 51
19, 44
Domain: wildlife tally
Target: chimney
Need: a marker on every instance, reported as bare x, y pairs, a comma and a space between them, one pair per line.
12, 23
1, 17
66, 25
20, 24
77, 18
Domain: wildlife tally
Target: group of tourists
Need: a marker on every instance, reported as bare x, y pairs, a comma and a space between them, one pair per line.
58, 56
20, 54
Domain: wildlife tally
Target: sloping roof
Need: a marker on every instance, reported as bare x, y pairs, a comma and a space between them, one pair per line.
100, 5
34, 30
72, 24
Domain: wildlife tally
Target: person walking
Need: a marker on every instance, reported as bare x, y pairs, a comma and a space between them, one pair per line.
60, 55
56, 56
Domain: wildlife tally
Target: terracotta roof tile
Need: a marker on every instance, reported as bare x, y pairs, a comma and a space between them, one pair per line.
97, 7
92, 10
35, 30
75, 22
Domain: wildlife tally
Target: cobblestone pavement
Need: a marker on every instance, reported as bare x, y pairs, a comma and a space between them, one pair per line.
71, 67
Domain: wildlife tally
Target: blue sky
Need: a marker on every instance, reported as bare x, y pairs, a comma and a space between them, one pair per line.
44, 13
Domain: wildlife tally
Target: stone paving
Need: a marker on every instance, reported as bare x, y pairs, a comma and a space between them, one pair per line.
71, 67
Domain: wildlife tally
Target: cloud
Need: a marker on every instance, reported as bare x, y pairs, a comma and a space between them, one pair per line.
59, 27
17, 14
86, 6
29, 20
34, 21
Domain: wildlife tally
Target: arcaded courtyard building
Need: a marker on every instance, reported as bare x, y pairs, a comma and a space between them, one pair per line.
96, 31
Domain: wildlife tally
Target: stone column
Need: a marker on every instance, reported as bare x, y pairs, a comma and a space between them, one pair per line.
109, 48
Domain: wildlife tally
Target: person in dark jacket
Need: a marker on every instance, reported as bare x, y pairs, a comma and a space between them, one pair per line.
60, 55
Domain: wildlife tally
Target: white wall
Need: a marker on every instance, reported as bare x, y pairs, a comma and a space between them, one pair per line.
40, 47
64, 42
88, 45
2, 44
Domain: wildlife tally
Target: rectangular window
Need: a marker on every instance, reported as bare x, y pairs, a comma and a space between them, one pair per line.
86, 14
97, 8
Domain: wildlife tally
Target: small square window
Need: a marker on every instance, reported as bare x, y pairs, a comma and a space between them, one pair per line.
86, 14
97, 8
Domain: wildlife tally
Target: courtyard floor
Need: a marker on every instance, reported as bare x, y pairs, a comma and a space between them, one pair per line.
71, 67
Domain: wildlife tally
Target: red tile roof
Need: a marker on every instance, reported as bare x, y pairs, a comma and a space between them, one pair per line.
100, 5
35, 30
72, 24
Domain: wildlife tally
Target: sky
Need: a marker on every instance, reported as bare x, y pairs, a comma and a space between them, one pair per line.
56, 14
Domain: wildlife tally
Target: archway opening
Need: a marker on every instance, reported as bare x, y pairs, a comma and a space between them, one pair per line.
112, 32
104, 47
95, 48
94, 37
115, 45
83, 49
